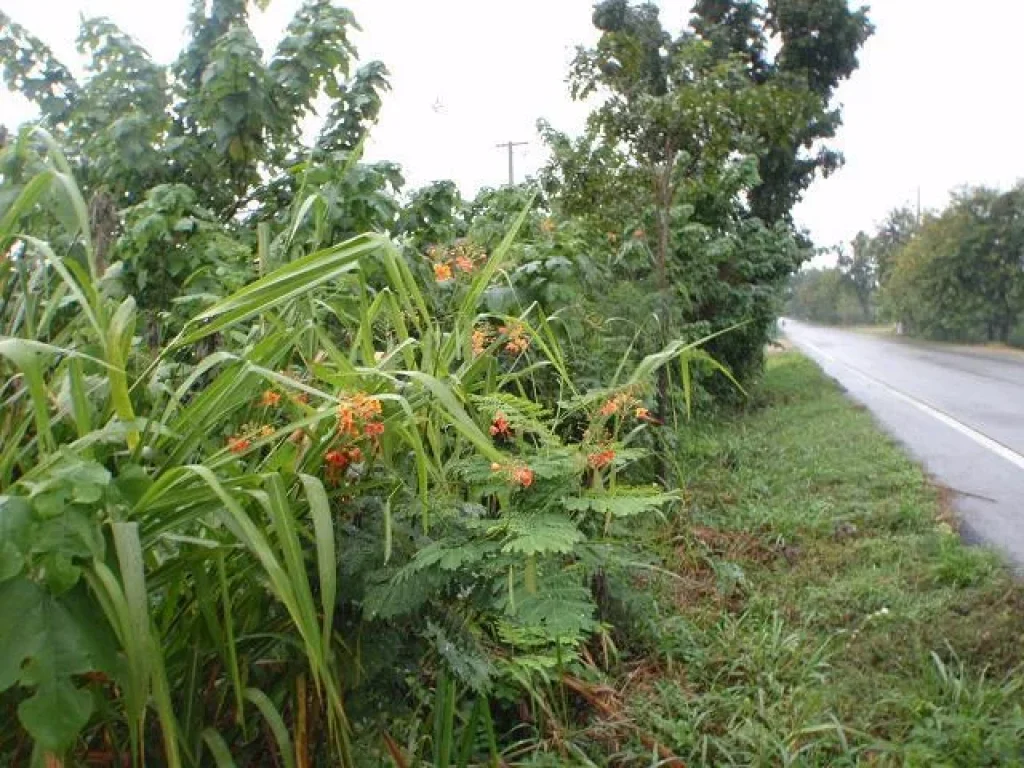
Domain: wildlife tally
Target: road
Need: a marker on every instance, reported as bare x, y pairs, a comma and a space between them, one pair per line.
959, 412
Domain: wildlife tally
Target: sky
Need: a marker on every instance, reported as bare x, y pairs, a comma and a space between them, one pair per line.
934, 105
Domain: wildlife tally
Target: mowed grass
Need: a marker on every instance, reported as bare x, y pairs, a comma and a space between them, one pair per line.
825, 611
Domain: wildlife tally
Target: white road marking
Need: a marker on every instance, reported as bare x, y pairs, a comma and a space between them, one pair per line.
984, 441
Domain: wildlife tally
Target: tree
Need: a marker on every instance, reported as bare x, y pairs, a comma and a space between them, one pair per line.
859, 269
691, 128
817, 43
962, 275
211, 147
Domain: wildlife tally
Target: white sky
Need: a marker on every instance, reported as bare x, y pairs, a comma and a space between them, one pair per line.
935, 103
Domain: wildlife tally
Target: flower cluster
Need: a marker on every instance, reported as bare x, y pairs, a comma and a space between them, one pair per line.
359, 415
242, 442
481, 340
517, 474
601, 459
500, 428
516, 339
464, 256
625, 402
518, 342
337, 461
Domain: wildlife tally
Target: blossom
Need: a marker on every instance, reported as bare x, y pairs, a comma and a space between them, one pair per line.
639, 234
601, 459
270, 398
500, 426
480, 340
266, 430
623, 401
442, 272
374, 429
336, 459
522, 476
548, 225
518, 342
239, 444
366, 407
337, 462
464, 263
301, 398
357, 408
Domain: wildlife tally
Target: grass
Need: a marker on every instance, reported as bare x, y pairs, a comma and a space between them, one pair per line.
825, 612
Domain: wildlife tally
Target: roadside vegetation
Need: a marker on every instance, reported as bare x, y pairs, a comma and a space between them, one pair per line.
300, 468
823, 610
953, 275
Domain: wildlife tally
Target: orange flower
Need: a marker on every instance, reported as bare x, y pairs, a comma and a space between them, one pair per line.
464, 263
481, 339
347, 420
522, 476
500, 426
517, 346
518, 341
365, 406
609, 408
374, 429
601, 459
270, 398
355, 455
238, 444
639, 234
301, 398
442, 272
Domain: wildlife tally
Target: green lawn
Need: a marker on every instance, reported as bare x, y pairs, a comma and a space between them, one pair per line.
825, 612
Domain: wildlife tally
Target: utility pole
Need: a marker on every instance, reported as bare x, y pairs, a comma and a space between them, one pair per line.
511, 159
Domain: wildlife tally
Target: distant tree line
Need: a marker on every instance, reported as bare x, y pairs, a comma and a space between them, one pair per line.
955, 275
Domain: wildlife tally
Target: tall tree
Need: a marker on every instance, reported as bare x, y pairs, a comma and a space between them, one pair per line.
816, 44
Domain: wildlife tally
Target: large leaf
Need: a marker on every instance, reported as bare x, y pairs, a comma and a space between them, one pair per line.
50, 641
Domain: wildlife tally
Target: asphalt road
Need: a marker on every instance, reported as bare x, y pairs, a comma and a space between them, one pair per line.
958, 412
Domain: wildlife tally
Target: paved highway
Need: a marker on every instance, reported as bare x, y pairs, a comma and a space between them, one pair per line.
960, 412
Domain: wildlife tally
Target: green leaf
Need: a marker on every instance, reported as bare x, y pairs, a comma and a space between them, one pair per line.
15, 535
541, 534
623, 502
55, 714
51, 640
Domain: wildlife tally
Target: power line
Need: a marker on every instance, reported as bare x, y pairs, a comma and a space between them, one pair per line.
511, 158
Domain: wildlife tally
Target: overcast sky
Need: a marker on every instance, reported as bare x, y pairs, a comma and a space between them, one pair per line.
935, 104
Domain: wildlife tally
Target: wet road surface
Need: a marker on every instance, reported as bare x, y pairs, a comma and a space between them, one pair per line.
960, 412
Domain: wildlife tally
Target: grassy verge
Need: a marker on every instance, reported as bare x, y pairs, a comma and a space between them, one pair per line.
825, 612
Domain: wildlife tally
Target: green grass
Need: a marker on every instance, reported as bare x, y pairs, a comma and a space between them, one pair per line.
825, 611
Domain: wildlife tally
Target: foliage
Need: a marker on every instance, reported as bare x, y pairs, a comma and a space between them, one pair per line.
960, 276
825, 296
349, 484
688, 130
224, 121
